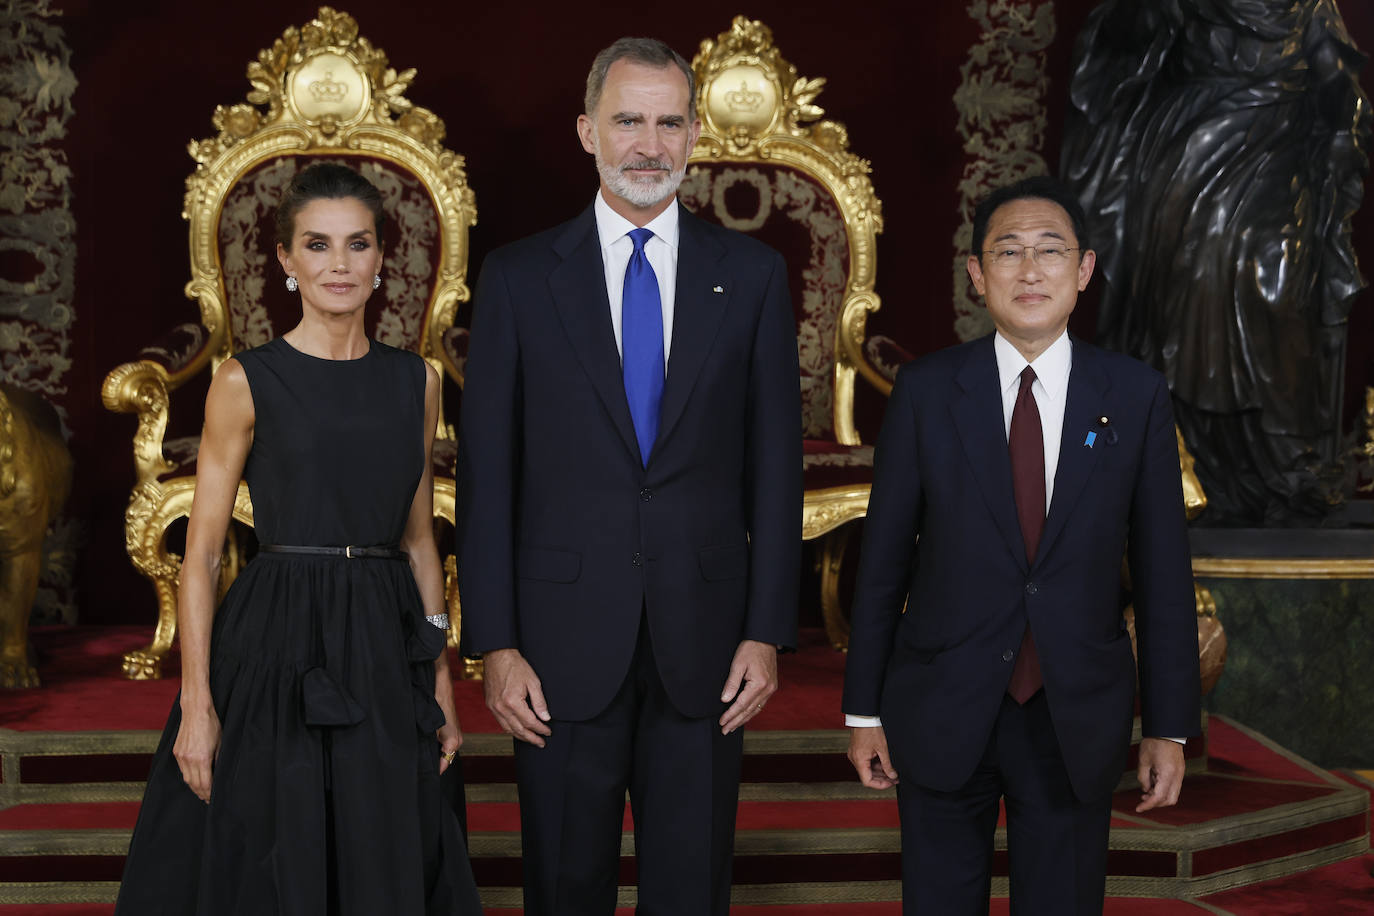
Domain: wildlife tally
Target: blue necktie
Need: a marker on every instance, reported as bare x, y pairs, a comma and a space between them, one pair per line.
641, 343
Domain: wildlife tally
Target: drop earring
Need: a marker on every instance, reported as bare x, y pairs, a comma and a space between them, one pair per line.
376, 281
292, 285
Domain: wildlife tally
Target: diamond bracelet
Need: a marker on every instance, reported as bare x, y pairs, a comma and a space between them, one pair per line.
438, 620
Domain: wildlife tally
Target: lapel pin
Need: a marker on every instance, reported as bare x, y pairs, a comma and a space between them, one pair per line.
717, 289
1092, 437
1108, 431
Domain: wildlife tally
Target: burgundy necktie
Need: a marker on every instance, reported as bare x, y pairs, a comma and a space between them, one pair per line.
1027, 444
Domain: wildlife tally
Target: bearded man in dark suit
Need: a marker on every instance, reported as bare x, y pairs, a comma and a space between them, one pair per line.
1012, 475
630, 508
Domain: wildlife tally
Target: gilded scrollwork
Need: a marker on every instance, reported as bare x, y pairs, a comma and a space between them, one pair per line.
1002, 119
141, 388
741, 102
762, 129
292, 109
755, 109
825, 510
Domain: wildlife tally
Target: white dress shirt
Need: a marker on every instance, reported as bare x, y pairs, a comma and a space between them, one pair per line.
661, 250
1050, 390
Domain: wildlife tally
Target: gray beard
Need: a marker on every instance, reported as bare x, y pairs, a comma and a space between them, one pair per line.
639, 193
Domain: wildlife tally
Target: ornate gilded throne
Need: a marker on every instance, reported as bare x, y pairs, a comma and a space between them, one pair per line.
766, 164
320, 92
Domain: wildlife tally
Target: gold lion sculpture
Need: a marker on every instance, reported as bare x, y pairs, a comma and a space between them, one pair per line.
35, 478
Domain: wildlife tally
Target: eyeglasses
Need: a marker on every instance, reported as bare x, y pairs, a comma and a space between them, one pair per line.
1049, 255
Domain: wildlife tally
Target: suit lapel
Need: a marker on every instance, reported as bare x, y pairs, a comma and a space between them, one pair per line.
578, 286
697, 314
977, 417
1086, 402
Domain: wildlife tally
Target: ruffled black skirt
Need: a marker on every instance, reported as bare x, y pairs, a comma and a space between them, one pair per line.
326, 795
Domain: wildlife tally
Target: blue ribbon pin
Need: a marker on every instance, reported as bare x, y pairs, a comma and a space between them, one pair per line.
1092, 437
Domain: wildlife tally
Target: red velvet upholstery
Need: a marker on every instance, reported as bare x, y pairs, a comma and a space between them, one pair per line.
795, 214
829, 464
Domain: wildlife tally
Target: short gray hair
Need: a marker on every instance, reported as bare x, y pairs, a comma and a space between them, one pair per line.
648, 51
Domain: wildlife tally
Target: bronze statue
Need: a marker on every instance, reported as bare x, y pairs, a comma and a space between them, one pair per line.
1219, 149
35, 477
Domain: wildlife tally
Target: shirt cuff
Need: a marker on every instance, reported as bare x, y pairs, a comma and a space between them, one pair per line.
1175, 740
852, 721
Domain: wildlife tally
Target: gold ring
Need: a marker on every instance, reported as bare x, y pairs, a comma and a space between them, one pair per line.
450, 755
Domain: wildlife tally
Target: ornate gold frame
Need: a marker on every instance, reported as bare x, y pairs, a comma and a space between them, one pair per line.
755, 108
325, 89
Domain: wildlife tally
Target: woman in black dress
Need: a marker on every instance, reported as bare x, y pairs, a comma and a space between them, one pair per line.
299, 771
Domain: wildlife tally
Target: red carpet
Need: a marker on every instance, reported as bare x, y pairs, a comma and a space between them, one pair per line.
802, 822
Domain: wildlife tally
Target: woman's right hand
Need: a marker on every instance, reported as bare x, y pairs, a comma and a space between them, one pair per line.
197, 747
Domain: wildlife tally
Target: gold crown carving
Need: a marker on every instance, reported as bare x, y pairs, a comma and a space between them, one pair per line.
328, 91
749, 43
742, 99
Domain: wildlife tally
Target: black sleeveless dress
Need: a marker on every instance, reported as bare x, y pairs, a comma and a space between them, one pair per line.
326, 793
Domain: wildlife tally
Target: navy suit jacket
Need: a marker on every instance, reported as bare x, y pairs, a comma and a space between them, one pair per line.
942, 537
565, 538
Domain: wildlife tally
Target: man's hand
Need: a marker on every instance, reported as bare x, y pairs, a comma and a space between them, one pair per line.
514, 696
866, 745
753, 679
1160, 773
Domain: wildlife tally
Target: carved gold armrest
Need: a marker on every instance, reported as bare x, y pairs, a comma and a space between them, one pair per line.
142, 388
850, 360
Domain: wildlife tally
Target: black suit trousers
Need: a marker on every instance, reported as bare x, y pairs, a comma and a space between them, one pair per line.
682, 776
1056, 844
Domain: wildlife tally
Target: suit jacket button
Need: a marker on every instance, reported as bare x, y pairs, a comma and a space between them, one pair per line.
646, 494
637, 560
1031, 589
1008, 655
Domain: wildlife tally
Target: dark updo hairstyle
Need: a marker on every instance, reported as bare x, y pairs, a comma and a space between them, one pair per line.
326, 181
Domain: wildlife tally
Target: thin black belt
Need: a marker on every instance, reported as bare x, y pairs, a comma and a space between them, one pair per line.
351, 553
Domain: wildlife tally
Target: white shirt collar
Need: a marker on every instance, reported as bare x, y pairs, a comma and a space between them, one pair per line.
611, 227
1051, 366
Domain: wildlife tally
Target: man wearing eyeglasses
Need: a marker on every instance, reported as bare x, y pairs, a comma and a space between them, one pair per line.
1012, 475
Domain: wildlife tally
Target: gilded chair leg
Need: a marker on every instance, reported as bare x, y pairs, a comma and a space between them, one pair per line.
146, 664
833, 547
472, 667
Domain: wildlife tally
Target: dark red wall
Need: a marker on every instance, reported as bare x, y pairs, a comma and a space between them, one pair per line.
507, 79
